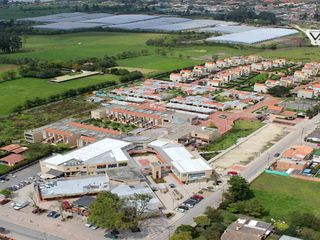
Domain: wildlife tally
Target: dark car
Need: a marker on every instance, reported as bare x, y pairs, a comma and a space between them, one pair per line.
112, 234
56, 215
2, 230
135, 229
277, 155
50, 214
172, 185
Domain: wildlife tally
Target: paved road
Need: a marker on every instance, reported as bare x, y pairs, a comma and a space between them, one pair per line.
18, 231
252, 171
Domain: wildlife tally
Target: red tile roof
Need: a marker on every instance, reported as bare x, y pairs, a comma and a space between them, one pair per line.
10, 147
12, 159
64, 133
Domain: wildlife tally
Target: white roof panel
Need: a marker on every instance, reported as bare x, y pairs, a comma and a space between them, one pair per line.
254, 36
91, 151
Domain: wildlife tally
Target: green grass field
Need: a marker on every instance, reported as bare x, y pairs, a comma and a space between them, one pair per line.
14, 93
283, 195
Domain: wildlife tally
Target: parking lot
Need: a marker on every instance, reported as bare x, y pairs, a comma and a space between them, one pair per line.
20, 176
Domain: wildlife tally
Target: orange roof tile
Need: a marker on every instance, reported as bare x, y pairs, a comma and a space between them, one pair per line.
64, 133
12, 159
298, 152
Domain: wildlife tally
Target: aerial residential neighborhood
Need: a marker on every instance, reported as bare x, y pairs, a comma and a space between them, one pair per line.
159, 120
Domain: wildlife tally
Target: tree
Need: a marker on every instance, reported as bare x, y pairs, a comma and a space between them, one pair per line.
213, 232
239, 189
202, 221
107, 211
250, 207
184, 228
214, 214
10, 42
181, 236
279, 91
6, 192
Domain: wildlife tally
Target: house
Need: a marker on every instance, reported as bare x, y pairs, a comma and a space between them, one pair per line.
286, 81
211, 66
279, 62
298, 152
286, 164
299, 76
215, 82
222, 64
12, 159
199, 71
186, 74
257, 66
176, 77
306, 93
260, 88
253, 58
266, 65
275, 109
247, 229
272, 83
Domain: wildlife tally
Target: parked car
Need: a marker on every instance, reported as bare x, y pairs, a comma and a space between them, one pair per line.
4, 179
172, 185
12, 175
112, 234
232, 173
94, 227
56, 215
182, 208
198, 197
50, 214
38, 210
88, 225
19, 206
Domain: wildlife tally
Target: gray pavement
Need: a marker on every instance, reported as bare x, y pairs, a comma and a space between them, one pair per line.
18, 231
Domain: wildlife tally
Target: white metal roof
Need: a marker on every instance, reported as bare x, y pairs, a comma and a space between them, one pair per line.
254, 36
182, 160
91, 151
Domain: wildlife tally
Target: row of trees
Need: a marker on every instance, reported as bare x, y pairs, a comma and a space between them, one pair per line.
41, 69
244, 14
177, 40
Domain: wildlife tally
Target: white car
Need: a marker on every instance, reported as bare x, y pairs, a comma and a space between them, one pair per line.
88, 225
178, 209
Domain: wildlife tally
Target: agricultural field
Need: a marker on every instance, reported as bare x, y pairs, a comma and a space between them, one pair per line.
283, 195
16, 92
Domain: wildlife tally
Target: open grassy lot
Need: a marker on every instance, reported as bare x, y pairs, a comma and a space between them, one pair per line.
14, 93
282, 195
241, 128
98, 44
